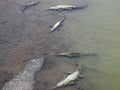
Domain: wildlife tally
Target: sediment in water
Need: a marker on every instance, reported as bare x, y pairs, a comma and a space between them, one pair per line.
30, 38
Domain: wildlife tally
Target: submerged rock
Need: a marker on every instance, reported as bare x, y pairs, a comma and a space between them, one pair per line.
25, 79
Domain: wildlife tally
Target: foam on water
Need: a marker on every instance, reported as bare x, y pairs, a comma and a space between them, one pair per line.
25, 79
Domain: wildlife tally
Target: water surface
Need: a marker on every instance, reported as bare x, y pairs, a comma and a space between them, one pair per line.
93, 30
96, 30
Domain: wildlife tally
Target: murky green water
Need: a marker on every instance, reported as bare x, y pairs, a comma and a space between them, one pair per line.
96, 30
93, 30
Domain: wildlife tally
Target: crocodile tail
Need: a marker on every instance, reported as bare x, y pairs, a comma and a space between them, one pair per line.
23, 8
63, 17
82, 7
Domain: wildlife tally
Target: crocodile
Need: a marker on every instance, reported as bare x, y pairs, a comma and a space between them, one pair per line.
70, 79
57, 25
66, 7
29, 5
68, 54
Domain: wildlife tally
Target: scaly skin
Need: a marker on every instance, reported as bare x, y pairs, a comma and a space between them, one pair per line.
62, 7
29, 5
69, 54
57, 24
70, 78
66, 7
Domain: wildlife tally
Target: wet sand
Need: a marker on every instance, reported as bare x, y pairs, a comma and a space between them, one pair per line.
25, 37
